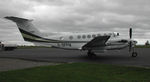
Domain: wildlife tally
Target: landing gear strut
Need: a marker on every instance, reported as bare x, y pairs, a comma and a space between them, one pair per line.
91, 54
134, 54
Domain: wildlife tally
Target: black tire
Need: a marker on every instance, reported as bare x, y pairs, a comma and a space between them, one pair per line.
91, 54
134, 54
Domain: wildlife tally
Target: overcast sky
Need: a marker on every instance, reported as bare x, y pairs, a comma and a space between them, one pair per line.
78, 16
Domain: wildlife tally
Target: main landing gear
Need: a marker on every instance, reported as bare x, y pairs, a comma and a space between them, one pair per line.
91, 54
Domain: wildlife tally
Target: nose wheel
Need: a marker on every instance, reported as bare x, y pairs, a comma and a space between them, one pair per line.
134, 54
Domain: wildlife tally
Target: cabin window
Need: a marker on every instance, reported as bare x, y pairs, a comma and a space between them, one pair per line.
78, 36
83, 36
109, 34
88, 36
105, 34
117, 34
93, 35
98, 34
70, 37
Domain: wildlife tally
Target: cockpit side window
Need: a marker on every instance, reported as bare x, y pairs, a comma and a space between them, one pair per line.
118, 34
115, 34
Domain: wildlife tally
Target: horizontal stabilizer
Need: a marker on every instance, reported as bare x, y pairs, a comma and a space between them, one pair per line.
16, 19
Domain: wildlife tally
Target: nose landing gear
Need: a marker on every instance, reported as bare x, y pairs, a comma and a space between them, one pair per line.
134, 54
132, 44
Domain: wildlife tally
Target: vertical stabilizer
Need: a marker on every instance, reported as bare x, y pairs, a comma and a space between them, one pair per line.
26, 28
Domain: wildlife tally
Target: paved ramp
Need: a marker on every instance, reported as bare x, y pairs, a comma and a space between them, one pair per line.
60, 55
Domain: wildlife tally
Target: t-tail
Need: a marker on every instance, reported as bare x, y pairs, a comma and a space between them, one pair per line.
27, 29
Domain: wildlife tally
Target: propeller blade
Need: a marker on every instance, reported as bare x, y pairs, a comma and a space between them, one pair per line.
130, 42
130, 33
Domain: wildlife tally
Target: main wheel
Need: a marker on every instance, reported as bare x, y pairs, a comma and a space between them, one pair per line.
134, 54
91, 54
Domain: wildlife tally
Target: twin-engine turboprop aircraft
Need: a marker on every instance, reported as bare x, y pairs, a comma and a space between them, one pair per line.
91, 42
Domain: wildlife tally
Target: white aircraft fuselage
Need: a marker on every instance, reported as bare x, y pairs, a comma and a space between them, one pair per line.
66, 40
76, 40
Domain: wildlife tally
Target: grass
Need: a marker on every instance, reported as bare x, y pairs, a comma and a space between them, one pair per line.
142, 46
78, 72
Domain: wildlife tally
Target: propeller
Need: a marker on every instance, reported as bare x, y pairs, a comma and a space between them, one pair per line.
130, 33
130, 42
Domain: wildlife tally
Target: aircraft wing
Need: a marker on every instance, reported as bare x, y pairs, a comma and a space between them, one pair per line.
96, 42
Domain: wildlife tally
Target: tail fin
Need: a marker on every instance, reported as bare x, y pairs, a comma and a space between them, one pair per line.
26, 28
